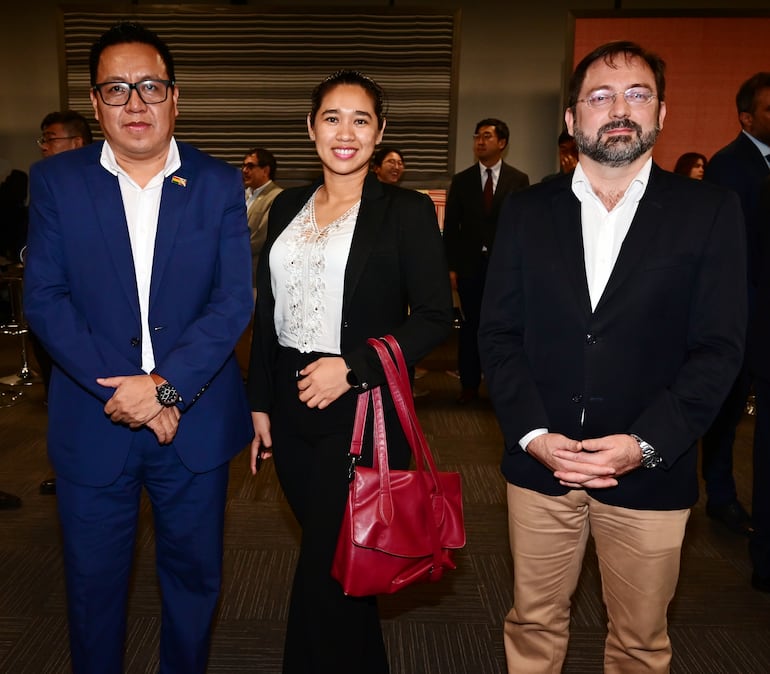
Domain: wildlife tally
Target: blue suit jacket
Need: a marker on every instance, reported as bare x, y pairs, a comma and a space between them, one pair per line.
81, 301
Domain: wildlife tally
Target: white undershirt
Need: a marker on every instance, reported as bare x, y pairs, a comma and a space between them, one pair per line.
142, 206
603, 234
307, 272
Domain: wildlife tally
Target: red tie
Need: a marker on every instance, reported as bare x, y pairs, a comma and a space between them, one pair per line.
489, 192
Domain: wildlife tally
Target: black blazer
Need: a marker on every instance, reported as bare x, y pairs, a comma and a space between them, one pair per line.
656, 357
758, 343
466, 227
396, 282
741, 167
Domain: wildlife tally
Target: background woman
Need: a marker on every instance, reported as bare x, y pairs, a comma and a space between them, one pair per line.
344, 259
692, 165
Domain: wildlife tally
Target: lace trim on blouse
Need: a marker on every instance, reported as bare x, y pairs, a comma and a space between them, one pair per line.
305, 265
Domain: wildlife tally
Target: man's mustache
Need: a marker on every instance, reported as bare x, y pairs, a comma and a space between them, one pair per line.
620, 124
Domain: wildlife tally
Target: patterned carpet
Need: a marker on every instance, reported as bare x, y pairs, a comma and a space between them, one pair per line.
717, 622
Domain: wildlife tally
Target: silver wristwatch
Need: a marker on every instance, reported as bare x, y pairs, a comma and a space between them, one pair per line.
650, 457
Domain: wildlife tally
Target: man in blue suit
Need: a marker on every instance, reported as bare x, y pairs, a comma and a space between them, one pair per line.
138, 284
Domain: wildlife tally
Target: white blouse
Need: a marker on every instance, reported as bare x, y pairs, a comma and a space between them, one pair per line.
307, 274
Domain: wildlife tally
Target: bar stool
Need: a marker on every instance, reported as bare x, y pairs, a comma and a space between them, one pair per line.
17, 327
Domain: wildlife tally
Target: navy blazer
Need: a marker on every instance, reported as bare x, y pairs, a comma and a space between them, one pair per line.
396, 282
81, 301
656, 357
741, 167
466, 227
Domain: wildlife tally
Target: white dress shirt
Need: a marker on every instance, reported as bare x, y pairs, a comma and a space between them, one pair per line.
142, 206
495, 174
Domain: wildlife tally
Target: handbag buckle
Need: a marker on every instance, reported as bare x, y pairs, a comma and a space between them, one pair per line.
354, 459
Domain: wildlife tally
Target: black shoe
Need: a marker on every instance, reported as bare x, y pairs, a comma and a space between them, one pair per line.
733, 515
761, 583
9, 501
48, 487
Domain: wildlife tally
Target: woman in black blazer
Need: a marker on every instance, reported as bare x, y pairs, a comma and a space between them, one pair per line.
346, 258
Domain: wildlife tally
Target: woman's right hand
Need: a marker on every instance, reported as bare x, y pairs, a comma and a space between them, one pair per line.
262, 444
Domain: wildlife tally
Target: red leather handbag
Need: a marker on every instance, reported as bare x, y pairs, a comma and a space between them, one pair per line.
400, 526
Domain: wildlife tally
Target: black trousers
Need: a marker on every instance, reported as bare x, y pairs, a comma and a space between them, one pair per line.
327, 631
471, 292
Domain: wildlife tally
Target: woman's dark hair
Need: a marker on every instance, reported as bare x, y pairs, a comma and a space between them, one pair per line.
375, 91
383, 152
609, 53
686, 162
127, 32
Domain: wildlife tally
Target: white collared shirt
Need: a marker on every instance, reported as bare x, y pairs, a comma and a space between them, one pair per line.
142, 207
604, 231
495, 174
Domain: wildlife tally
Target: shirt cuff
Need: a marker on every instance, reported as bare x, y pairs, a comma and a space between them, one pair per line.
529, 437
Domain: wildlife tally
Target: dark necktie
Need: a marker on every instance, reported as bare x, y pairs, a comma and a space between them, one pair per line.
489, 192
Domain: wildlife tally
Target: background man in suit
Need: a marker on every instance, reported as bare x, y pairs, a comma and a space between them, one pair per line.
473, 204
137, 283
741, 166
612, 327
258, 171
61, 131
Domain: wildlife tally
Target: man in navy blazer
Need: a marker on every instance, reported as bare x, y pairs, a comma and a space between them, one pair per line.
473, 204
137, 281
612, 326
742, 165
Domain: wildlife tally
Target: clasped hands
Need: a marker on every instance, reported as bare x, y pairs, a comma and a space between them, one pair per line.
595, 463
135, 404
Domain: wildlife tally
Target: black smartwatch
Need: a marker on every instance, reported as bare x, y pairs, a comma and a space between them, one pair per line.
165, 393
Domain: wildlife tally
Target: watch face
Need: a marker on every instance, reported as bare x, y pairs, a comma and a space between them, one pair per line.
167, 395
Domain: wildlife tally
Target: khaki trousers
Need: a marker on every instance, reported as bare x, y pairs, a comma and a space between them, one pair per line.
639, 553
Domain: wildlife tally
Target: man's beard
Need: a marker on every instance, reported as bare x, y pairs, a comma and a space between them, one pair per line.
616, 150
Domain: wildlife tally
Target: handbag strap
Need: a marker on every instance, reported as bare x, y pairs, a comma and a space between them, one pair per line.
401, 392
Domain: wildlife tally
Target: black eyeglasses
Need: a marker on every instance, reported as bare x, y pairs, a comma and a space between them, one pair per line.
119, 93
43, 140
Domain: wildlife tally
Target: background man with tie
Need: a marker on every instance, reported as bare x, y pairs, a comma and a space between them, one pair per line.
472, 207
137, 283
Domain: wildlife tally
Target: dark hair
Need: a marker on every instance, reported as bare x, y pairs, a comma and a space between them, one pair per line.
501, 128
686, 162
608, 53
565, 137
127, 32
264, 158
745, 99
73, 122
375, 91
383, 152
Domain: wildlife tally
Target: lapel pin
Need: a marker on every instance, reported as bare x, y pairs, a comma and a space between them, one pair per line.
182, 182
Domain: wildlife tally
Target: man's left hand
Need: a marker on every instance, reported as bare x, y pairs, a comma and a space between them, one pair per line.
134, 401
621, 452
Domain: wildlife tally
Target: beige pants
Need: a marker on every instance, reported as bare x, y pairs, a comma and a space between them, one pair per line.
639, 553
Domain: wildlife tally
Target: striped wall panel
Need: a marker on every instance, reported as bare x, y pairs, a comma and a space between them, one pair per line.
245, 76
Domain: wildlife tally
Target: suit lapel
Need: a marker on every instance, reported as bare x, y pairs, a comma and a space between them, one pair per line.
177, 191
371, 215
105, 192
569, 234
642, 232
